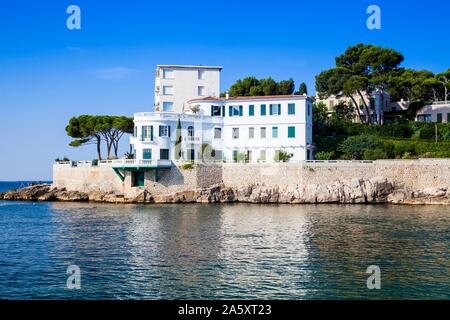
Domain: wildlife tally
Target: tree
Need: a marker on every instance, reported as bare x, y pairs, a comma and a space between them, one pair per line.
286, 87
411, 85
361, 68
120, 126
178, 141
303, 89
319, 114
85, 130
250, 86
444, 80
354, 147
89, 129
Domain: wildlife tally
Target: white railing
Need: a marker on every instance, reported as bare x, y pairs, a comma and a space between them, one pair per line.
140, 163
117, 162
192, 139
441, 102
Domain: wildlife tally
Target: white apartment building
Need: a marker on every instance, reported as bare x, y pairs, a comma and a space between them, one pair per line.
175, 85
210, 128
379, 103
437, 112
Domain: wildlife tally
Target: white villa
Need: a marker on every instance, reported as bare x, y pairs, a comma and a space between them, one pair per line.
192, 123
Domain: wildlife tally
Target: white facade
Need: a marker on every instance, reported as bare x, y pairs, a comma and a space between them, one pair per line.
175, 85
378, 102
257, 130
437, 112
251, 129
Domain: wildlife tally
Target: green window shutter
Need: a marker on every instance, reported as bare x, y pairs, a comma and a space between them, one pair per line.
230, 111
223, 111
291, 132
241, 111
212, 110
279, 109
151, 133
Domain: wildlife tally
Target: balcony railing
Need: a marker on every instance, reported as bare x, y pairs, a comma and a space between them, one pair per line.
190, 139
124, 163
441, 102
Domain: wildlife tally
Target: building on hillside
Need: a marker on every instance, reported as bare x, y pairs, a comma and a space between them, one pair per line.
175, 85
201, 127
437, 112
381, 108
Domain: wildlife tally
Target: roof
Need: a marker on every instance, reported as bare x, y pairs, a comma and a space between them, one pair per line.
187, 66
293, 97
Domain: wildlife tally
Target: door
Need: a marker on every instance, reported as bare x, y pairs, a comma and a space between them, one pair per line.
249, 156
191, 154
139, 179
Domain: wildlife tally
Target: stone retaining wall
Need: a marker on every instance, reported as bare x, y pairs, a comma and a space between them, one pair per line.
413, 174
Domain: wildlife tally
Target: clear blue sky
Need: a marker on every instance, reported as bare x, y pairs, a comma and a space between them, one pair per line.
49, 74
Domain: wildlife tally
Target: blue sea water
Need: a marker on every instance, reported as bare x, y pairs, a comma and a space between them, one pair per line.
208, 251
11, 185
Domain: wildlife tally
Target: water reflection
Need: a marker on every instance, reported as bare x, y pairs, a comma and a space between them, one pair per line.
227, 251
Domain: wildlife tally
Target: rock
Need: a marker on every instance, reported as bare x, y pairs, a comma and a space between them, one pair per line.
357, 190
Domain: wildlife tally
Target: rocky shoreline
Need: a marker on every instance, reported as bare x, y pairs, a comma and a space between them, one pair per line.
355, 191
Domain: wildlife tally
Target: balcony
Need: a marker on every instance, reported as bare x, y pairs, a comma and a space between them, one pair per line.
135, 163
194, 140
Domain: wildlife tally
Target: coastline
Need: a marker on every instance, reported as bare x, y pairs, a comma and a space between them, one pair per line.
377, 190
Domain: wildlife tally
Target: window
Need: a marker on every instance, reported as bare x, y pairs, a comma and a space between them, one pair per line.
262, 155
167, 74
275, 109
167, 106
275, 132
291, 132
424, 117
217, 133
164, 154
235, 155
147, 154
235, 133
168, 90
217, 154
251, 133
291, 108
215, 111
439, 118
147, 133
201, 91
251, 110
235, 111
263, 132
191, 131
201, 74
135, 132
164, 131
263, 109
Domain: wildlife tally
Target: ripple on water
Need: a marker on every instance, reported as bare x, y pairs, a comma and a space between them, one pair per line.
223, 251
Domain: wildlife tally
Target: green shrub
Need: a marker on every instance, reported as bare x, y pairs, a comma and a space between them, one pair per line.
407, 155
354, 147
323, 155
375, 154
282, 156
187, 165
95, 162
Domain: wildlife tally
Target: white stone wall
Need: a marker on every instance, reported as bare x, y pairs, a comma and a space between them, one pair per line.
414, 174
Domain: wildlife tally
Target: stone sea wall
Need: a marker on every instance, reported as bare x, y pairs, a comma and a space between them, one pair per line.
395, 181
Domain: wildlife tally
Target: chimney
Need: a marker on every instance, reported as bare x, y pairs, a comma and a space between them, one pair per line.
227, 95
